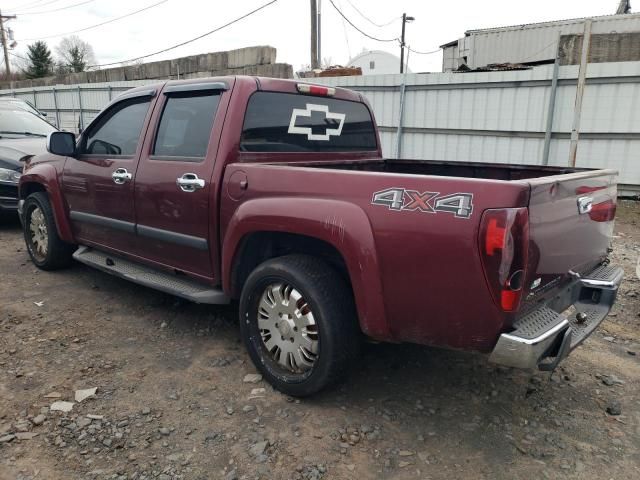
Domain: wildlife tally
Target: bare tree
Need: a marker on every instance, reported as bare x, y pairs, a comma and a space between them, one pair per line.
74, 54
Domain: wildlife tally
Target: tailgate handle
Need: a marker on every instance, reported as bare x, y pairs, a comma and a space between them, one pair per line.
585, 204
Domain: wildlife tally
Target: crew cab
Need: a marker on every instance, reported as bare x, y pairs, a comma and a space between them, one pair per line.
275, 193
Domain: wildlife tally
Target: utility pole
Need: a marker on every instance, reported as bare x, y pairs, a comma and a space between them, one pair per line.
624, 7
3, 37
319, 34
405, 19
314, 34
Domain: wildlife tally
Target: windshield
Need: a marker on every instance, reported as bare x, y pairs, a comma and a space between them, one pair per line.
17, 122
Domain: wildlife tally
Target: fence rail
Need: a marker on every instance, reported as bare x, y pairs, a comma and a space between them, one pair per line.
503, 117
72, 107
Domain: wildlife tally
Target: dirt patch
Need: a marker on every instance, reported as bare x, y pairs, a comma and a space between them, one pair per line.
171, 400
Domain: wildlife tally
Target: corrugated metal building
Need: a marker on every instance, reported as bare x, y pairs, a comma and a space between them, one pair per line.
532, 43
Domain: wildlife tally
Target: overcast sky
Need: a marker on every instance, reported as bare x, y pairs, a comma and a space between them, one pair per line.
284, 25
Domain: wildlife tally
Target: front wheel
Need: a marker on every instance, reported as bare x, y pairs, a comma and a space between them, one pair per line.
46, 249
298, 322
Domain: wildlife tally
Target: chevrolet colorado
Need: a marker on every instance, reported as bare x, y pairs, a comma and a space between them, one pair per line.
276, 193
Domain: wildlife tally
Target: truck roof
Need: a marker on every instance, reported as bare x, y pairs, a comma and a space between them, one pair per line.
262, 83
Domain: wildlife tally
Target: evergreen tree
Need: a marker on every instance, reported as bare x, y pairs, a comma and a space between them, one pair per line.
40, 60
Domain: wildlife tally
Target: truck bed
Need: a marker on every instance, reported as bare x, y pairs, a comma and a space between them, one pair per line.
494, 171
420, 222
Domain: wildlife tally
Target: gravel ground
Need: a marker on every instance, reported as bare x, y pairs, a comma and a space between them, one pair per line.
176, 399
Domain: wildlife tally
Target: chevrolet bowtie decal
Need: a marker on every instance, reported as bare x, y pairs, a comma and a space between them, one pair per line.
330, 118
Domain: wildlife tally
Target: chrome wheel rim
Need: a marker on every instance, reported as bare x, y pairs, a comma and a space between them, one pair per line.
39, 233
288, 329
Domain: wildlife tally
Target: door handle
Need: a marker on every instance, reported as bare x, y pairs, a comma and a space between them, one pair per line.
121, 176
189, 182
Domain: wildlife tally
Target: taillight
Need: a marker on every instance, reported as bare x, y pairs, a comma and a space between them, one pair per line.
504, 247
603, 211
316, 89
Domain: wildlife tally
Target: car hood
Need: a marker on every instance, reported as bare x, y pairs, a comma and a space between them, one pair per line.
12, 150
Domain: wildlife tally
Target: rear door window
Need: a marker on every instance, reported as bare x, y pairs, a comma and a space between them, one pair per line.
185, 126
289, 122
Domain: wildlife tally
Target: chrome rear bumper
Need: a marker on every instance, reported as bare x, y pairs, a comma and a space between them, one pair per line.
544, 337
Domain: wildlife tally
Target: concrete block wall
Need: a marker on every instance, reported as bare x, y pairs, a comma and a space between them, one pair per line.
604, 47
259, 60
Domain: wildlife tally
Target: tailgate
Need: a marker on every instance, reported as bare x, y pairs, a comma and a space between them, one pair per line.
571, 224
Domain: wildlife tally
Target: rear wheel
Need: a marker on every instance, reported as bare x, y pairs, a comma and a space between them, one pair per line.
45, 247
298, 322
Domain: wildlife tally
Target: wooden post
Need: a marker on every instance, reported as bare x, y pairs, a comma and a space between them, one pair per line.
314, 35
582, 79
552, 106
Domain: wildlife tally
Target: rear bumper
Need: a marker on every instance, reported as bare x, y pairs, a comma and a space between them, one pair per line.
544, 337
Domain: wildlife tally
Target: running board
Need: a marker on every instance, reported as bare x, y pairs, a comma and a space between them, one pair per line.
143, 275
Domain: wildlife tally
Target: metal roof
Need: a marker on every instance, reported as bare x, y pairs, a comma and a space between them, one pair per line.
630, 16
449, 44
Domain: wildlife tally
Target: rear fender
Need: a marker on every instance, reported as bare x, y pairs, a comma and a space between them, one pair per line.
46, 175
343, 225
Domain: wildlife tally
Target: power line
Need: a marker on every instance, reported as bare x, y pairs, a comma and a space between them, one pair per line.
371, 21
96, 25
19, 56
363, 33
56, 9
188, 41
346, 36
32, 4
422, 53
538, 52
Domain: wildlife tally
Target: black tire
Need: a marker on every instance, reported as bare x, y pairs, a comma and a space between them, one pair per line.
58, 253
330, 300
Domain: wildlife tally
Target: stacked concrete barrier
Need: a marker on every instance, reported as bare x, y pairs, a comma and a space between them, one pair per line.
259, 60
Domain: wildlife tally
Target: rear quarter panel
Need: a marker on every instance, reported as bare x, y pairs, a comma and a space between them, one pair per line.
429, 288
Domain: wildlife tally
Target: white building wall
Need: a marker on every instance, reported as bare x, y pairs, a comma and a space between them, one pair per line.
532, 42
376, 62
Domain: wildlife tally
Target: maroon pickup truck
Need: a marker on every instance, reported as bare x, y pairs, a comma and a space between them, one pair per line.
276, 193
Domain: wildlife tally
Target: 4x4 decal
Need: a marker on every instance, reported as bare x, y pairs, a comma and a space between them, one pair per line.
402, 199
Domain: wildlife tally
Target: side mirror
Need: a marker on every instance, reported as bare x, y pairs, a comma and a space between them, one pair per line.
62, 143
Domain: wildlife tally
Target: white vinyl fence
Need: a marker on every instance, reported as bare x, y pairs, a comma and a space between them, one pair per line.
72, 107
502, 117
499, 117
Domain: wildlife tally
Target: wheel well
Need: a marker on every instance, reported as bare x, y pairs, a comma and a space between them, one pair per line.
31, 187
261, 246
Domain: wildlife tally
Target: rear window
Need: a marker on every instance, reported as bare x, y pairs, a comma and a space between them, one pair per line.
289, 122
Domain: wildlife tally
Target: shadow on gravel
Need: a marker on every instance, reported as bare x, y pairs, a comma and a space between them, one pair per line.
10, 223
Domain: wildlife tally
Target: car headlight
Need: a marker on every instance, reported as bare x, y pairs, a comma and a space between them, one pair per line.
7, 175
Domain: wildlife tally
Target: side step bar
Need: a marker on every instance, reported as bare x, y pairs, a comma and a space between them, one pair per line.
143, 275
